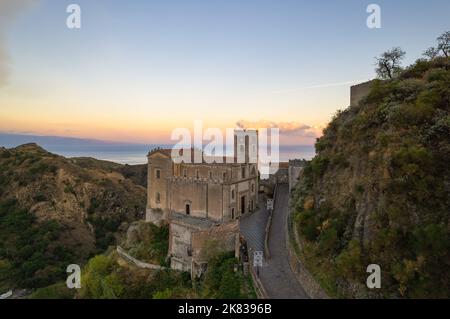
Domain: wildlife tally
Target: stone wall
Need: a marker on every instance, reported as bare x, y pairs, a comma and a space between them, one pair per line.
189, 191
359, 91
295, 168
281, 176
122, 253
192, 240
309, 284
224, 238
159, 170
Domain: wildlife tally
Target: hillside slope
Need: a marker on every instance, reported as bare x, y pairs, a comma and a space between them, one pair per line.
378, 192
70, 211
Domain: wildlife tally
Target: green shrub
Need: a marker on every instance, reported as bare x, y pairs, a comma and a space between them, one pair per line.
56, 291
319, 165
221, 281
27, 246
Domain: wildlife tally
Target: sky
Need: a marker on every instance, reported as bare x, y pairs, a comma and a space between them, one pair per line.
136, 70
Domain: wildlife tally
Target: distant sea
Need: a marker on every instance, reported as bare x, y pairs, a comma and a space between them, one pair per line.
122, 153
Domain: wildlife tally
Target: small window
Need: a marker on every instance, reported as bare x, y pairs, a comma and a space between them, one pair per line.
158, 197
185, 172
210, 175
196, 174
253, 188
243, 172
188, 209
232, 213
232, 194
158, 174
224, 176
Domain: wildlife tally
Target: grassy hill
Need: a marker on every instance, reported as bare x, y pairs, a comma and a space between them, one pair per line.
378, 192
55, 211
136, 173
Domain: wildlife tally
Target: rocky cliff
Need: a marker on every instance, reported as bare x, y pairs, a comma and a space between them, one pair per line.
378, 191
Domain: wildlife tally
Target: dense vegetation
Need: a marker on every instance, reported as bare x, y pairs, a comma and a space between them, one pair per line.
56, 211
106, 277
378, 191
30, 255
148, 243
222, 282
103, 277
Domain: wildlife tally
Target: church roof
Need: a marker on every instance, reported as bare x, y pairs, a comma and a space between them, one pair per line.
206, 159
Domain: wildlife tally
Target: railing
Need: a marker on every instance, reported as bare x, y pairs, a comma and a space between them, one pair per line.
269, 224
135, 261
259, 287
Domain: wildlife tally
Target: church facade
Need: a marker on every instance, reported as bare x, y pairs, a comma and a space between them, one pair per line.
203, 201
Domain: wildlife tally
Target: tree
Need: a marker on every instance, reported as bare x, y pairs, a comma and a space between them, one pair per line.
431, 53
443, 46
444, 43
388, 63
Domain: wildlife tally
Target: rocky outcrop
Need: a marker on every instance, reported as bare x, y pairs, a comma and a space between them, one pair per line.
378, 190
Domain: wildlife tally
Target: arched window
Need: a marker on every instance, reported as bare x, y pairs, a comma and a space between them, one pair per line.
158, 197
196, 174
232, 194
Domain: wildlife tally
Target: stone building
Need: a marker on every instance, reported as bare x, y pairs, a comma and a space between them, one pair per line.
359, 91
202, 200
281, 175
295, 168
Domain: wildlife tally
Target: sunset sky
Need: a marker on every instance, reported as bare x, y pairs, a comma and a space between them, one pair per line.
138, 69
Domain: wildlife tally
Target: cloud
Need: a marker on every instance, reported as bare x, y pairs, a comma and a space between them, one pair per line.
9, 10
286, 128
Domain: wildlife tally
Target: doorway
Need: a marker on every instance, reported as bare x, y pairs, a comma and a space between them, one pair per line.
243, 205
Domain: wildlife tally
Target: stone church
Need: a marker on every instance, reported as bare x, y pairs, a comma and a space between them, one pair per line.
202, 202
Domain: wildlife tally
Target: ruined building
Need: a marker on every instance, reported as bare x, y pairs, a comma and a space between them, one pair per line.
202, 200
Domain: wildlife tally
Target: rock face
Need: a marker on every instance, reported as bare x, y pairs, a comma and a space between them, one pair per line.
91, 199
378, 190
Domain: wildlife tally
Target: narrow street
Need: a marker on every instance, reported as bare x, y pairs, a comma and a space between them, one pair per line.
253, 226
276, 274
